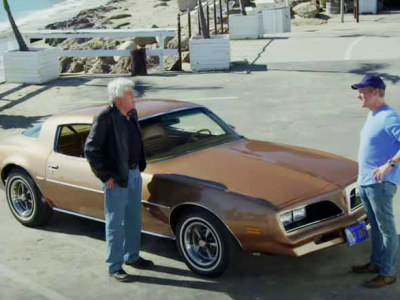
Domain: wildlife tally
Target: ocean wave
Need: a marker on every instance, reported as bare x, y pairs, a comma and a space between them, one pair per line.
58, 12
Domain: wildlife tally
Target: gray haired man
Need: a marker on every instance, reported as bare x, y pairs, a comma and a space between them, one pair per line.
115, 152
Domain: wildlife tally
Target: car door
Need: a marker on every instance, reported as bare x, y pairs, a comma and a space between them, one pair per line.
70, 183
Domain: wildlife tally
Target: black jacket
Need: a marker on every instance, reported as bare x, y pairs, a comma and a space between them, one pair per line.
106, 147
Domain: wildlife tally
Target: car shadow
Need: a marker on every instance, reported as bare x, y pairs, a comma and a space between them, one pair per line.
320, 275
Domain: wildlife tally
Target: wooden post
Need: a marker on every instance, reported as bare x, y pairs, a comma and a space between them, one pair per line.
179, 43
220, 13
215, 18
227, 13
342, 11
208, 16
162, 44
189, 23
358, 11
198, 16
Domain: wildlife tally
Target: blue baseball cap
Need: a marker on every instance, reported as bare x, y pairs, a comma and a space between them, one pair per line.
370, 81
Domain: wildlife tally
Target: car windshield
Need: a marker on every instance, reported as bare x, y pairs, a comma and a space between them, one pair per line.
33, 132
178, 133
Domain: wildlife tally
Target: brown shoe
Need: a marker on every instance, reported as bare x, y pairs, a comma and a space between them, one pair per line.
365, 269
381, 281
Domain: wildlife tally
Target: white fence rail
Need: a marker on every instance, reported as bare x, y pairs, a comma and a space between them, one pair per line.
7, 42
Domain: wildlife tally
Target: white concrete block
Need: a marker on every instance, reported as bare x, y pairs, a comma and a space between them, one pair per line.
276, 20
245, 27
368, 6
210, 54
35, 67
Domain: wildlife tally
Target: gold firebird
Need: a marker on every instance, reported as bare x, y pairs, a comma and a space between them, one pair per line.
206, 186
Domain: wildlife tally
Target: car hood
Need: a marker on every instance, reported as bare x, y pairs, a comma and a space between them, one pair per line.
276, 173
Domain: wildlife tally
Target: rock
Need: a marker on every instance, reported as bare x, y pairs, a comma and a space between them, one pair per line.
128, 45
144, 41
117, 17
171, 63
184, 5
54, 42
121, 25
99, 68
76, 67
108, 60
306, 10
114, 1
293, 3
124, 66
65, 63
166, 41
186, 57
152, 61
160, 3
173, 44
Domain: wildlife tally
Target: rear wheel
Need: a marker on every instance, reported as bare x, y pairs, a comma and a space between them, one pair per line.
25, 200
205, 243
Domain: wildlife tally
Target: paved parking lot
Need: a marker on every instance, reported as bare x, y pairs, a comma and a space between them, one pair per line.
305, 104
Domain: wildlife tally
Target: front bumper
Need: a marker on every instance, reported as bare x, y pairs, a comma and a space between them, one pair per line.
310, 239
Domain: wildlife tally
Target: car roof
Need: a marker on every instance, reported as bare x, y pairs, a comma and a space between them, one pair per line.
145, 108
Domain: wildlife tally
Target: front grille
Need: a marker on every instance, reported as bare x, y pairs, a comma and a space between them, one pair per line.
316, 213
355, 200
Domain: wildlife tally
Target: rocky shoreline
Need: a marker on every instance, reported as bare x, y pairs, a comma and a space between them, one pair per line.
124, 14
116, 14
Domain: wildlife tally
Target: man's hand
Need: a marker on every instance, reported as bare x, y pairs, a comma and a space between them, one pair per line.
382, 171
110, 184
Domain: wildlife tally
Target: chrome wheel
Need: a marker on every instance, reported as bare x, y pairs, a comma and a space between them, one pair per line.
25, 200
202, 244
21, 198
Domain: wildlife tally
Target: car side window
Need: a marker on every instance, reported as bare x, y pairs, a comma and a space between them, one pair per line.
71, 139
178, 133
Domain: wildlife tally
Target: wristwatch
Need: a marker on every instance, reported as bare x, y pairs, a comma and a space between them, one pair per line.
391, 163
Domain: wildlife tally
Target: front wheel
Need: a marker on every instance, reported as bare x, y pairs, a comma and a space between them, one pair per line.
25, 200
204, 243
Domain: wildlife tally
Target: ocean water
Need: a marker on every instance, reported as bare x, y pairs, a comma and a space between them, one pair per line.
35, 14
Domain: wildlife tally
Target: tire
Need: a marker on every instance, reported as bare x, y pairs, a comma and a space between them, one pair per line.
204, 243
25, 201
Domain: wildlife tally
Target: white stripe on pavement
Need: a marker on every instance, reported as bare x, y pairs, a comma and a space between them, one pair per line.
352, 45
210, 98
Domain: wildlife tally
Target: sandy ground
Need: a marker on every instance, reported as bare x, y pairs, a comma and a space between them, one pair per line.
144, 14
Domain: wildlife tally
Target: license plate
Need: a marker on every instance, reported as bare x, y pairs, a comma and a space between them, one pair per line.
356, 233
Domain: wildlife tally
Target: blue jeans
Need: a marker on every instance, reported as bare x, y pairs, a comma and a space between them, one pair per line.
123, 222
378, 204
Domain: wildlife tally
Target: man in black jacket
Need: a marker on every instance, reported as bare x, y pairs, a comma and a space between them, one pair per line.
115, 152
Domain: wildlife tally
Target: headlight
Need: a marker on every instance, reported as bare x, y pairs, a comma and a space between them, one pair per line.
292, 216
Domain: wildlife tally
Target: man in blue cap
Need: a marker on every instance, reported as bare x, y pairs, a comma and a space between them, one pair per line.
379, 174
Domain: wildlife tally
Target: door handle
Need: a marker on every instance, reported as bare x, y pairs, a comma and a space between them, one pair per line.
53, 167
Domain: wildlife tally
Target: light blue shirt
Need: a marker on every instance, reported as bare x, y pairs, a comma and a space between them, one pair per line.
380, 141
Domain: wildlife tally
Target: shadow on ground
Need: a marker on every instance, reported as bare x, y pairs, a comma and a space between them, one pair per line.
19, 122
321, 275
338, 67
